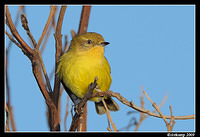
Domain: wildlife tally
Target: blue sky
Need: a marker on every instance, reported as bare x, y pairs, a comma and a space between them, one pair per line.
150, 45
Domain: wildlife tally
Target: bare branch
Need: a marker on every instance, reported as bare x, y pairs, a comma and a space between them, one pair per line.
109, 117
66, 114
13, 40
52, 12
58, 38
20, 9
172, 122
157, 109
132, 105
168, 125
7, 117
34, 56
38, 76
9, 108
26, 27
142, 115
84, 19
65, 45
9, 22
46, 38
45, 72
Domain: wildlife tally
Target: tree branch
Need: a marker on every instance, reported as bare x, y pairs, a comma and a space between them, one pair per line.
66, 114
142, 115
26, 27
38, 76
109, 117
27, 50
24, 22
168, 125
34, 57
132, 105
52, 12
58, 38
84, 19
13, 40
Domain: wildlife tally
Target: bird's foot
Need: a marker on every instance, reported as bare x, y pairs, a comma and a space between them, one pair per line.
98, 89
77, 111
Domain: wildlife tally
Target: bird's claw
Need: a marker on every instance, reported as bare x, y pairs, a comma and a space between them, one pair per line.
76, 110
97, 89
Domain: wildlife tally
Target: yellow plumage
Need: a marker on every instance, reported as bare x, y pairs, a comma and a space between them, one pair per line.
83, 61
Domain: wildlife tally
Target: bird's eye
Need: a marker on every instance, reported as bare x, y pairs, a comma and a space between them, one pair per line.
89, 41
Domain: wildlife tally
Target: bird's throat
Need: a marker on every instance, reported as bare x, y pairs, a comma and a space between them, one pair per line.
96, 52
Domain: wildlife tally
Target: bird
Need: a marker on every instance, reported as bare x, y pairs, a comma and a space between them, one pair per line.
83, 61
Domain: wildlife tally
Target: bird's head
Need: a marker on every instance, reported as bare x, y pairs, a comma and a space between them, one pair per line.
88, 42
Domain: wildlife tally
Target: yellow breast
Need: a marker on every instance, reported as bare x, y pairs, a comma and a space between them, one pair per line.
77, 71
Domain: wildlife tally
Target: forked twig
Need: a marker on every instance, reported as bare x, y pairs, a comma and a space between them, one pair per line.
168, 125
132, 105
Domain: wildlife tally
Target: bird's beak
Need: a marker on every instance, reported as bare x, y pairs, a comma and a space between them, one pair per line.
104, 43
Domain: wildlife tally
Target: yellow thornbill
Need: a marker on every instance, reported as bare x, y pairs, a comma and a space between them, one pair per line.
78, 67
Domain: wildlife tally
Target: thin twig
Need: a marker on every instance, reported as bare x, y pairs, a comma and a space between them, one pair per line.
52, 12
157, 109
65, 45
20, 9
51, 27
66, 114
108, 116
13, 40
12, 118
24, 46
142, 115
26, 27
172, 122
44, 71
168, 125
58, 45
9, 23
7, 117
108, 128
44, 44
132, 122
132, 105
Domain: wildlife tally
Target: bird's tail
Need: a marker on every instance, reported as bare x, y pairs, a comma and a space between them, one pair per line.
111, 104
